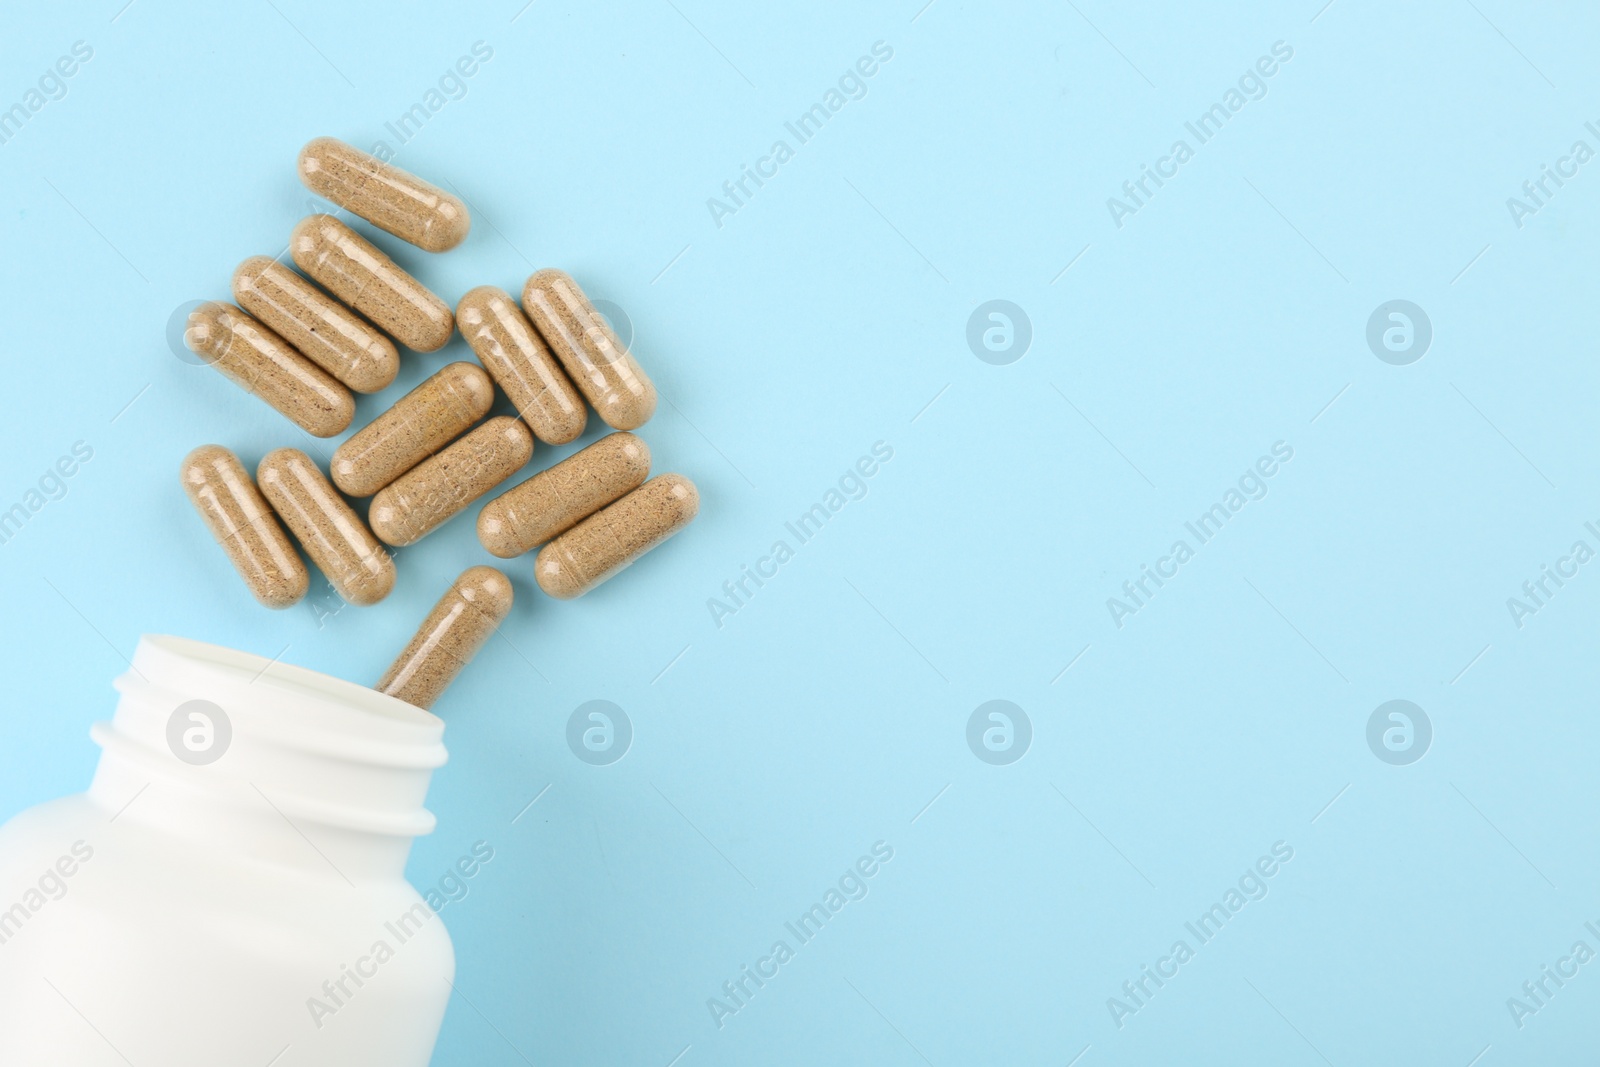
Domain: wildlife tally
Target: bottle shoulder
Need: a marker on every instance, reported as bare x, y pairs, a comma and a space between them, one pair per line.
74, 848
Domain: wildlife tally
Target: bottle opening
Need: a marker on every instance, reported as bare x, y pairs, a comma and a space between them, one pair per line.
219, 735
281, 675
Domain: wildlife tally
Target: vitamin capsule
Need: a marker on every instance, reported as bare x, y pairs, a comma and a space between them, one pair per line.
261, 362
420, 424
350, 268
437, 489
600, 366
243, 524
555, 500
609, 540
457, 627
519, 361
385, 196
333, 535
322, 329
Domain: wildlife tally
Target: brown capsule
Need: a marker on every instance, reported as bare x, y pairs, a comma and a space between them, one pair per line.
609, 540
555, 500
517, 358
598, 363
262, 363
457, 627
322, 329
385, 196
333, 535
243, 524
438, 489
420, 424
348, 266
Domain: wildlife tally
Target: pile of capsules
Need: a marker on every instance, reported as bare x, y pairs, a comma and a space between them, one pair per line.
428, 457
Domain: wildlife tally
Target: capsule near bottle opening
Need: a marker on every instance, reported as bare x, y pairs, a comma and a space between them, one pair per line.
317, 326
262, 363
477, 602
241, 521
352, 269
600, 366
608, 541
386, 196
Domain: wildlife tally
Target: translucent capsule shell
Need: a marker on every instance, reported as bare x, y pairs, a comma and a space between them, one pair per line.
386, 196
316, 325
419, 424
555, 500
516, 357
477, 602
602, 369
243, 523
439, 488
609, 540
332, 534
349, 267
262, 363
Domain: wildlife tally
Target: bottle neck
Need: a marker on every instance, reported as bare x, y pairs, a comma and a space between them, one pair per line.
243, 756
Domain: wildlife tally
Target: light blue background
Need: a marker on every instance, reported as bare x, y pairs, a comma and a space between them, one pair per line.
825, 316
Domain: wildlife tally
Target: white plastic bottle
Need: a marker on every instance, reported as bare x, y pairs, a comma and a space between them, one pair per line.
230, 888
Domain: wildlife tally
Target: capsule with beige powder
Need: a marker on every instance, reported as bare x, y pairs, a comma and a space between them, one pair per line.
419, 424
349, 267
262, 363
517, 358
477, 602
386, 196
318, 326
611, 539
244, 525
555, 500
599, 365
438, 489
333, 535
